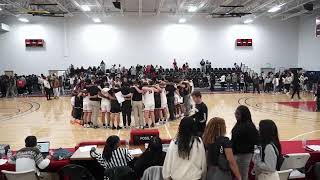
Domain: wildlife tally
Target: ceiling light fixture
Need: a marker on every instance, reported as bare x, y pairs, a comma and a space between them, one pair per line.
275, 9
0, 9
182, 20
85, 8
248, 21
96, 20
192, 8
23, 20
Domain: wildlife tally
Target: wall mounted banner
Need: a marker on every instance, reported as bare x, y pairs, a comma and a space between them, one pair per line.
318, 27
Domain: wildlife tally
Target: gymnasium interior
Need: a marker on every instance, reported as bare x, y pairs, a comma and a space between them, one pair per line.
262, 55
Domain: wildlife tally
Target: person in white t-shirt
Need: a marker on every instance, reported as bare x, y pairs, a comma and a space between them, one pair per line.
47, 88
105, 107
275, 82
149, 103
164, 103
186, 156
87, 110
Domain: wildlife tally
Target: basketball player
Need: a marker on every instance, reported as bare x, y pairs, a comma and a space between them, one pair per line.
105, 106
149, 103
87, 111
164, 103
115, 107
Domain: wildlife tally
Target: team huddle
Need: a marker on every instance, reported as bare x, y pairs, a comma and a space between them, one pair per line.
151, 101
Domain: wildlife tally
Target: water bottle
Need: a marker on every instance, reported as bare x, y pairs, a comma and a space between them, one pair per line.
9, 154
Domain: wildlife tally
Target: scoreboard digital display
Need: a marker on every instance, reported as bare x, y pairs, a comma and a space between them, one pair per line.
244, 42
34, 42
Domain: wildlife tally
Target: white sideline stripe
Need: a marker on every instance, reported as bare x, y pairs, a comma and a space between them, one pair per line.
168, 131
304, 134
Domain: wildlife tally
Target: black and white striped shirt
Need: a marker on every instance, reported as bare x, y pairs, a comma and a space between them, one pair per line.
119, 157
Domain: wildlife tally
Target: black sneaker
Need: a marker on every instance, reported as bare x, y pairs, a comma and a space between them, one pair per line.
152, 125
113, 127
145, 127
119, 127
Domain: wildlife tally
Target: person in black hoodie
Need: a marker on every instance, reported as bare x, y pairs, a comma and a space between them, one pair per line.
317, 94
244, 136
153, 156
295, 85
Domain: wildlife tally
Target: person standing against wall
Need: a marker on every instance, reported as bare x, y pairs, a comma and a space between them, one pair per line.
203, 65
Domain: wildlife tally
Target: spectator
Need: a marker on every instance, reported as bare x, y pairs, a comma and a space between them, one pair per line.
186, 158
266, 161
153, 156
202, 65
47, 88
317, 94
201, 113
219, 146
30, 157
244, 137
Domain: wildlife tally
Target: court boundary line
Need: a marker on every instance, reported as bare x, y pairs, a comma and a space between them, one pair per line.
303, 134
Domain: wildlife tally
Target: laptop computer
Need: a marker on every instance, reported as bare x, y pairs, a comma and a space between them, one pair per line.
44, 148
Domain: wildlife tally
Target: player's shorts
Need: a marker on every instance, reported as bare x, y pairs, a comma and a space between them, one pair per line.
149, 107
105, 107
87, 107
164, 105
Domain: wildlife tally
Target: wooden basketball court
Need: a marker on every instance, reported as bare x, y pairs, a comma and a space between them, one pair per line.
50, 120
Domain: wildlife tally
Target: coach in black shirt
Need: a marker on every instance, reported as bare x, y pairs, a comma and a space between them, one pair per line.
126, 105
137, 104
94, 103
170, 88
201, 114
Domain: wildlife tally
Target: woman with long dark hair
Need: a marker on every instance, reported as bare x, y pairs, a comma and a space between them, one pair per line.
185, 157
219, 147
244, 136
114, 156
266, 161
152, 156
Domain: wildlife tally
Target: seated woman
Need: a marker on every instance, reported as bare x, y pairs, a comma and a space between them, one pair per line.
266, 162
186, 158
113, 155
153, 156
219, 146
